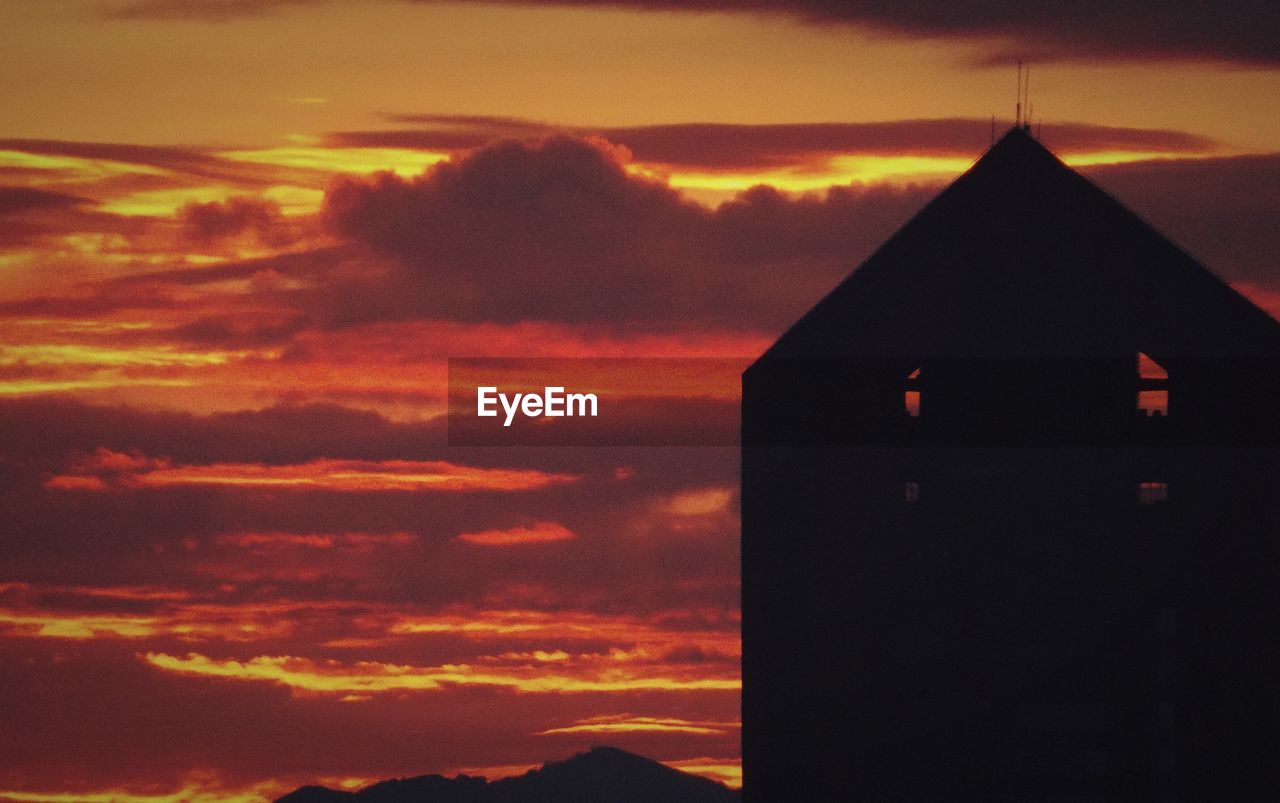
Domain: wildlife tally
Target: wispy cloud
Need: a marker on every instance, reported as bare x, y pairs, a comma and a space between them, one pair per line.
804, 148
538, 533
626, 723
371, 677
105, 470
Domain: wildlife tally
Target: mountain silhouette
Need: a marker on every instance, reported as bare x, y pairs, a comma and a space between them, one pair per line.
601, 774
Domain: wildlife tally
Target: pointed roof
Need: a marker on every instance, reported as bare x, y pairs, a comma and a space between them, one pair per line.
1022, 256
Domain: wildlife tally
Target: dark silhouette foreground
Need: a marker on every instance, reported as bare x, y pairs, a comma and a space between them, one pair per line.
602, 774
1010, 515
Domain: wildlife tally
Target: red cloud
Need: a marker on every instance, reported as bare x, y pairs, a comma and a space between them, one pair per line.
214, 221
538, 533
138, 471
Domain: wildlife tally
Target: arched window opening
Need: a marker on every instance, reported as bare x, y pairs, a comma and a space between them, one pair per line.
1153, 387
911, 395
1153, 493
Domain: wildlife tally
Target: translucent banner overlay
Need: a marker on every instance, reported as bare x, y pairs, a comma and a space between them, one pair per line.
594, 402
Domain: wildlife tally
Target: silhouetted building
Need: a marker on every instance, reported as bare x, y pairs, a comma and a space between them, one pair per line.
986, 556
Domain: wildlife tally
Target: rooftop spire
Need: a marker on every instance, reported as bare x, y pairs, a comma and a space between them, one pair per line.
1017, 114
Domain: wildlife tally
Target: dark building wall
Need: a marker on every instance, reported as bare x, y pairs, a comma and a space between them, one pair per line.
1027, 628
1031, 591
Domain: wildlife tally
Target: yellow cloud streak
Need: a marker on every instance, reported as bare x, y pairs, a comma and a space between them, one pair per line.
201, 786
1121, 157
85, 326
333, 476
86, 168
868, 169
567, 625
840, 170
293, 200
187, 622
77, 626
326, 474
630, 724
79, 354
401, 161
727, 771
540, 533
330, 677
14, 387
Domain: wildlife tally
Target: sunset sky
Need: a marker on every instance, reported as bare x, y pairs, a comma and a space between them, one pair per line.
240, 239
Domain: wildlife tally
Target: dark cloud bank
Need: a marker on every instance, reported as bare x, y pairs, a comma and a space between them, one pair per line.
1245, 32
559, 230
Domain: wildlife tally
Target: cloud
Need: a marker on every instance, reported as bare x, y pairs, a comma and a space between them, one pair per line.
627, 724
201, 786
706, 631
130, 593
727, 771
373, 677
105, 469
1222, 210
16, 200
1246, 32
1243, 32
77, 354
570, 230
61, 431
701, 502
344, 542
108, 612
421, 609
169, 498
78, 697
730, 147
538, 533
205, 223
76, 626
559, 230
29, 214
300, 559
323, 621
98, 156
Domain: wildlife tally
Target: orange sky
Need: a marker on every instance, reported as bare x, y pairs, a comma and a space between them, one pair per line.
240, 241
306, 69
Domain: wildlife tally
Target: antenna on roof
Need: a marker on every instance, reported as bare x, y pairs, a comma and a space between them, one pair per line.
993, 129
1017, 115
1026, 91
